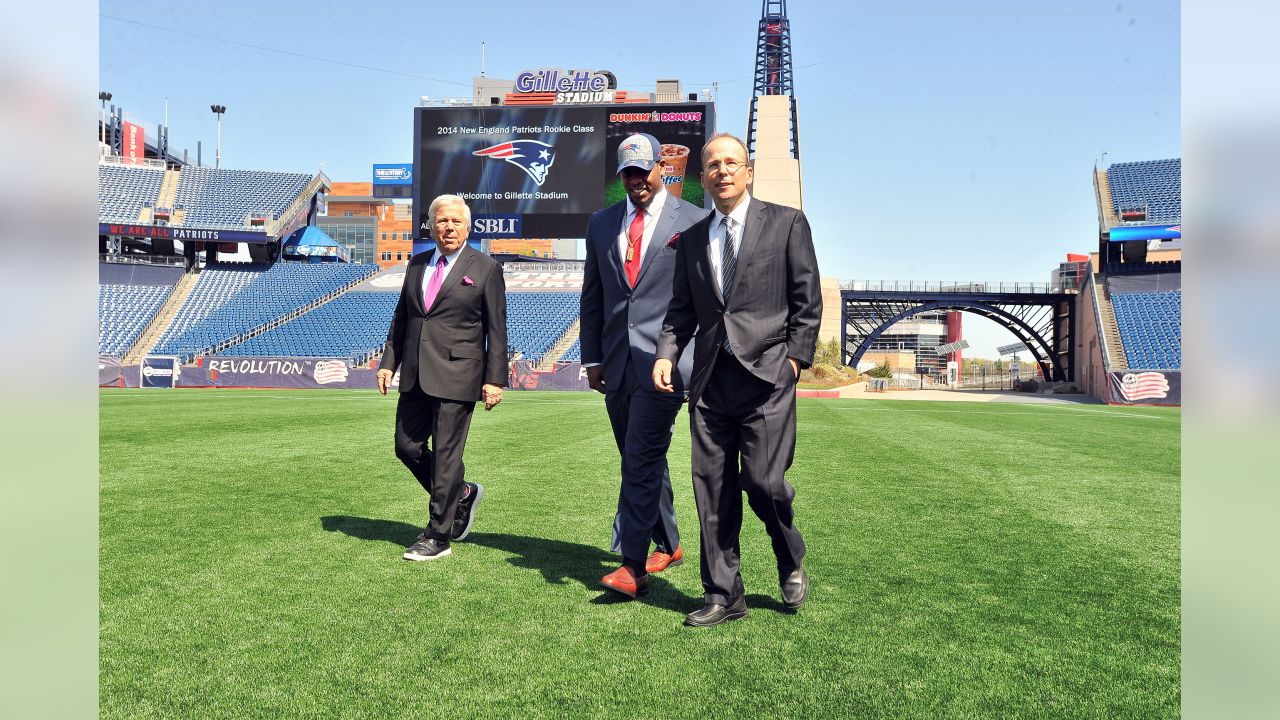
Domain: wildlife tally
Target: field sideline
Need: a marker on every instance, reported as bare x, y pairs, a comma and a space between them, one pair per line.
967, 560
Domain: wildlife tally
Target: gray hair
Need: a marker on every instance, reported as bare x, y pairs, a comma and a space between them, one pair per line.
447, 200
746, 154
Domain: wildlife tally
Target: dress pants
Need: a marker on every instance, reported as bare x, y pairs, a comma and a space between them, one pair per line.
744, 439
419, 418
643, 420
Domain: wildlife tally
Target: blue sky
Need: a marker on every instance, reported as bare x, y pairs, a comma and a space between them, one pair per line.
939, 140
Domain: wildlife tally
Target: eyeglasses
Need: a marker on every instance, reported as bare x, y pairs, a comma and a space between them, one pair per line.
728, 167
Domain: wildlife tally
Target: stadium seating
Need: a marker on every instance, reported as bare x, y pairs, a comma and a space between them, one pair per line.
353, 326
1150, 326
123, 313
232, 299
226, 198
1155, 184
574, 353
123, 190
535, 320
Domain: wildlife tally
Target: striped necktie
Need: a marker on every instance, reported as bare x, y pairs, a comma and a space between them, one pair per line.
728, 258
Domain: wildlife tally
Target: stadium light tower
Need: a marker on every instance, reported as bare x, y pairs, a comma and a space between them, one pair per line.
773, 140
104, 96
217, 158
773, 73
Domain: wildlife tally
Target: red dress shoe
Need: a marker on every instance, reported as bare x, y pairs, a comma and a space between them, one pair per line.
624, 581
660, 561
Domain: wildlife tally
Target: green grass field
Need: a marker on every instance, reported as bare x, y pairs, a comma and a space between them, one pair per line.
967, 560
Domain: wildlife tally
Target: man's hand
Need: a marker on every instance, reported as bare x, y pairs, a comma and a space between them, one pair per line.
662, 375
492, 395
595, 378
384, 380
795, 366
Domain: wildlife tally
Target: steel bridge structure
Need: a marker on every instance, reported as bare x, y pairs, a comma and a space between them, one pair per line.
1038, 314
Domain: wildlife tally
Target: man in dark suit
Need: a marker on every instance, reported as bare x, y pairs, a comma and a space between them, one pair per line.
626, 288
747, 284
448, 337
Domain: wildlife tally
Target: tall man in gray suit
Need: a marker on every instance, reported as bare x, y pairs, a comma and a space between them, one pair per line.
747, 292
626, 288
448, 337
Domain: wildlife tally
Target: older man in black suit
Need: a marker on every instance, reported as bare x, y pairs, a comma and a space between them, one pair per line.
448, 337
747, 292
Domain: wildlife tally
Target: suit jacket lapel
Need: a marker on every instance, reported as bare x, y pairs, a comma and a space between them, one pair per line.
455, 276
750, 239
415, 280
614, 221
661, 233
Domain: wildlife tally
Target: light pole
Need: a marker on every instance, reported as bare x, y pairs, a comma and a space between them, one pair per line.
104, 96
218, 110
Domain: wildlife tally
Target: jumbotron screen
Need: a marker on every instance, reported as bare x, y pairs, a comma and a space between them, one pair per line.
539, 172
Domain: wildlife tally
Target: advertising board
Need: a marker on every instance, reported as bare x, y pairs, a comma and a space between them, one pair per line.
159, 371
539, 172
134, 143
393, 180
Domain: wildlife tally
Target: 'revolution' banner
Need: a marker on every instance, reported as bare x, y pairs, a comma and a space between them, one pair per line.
283, 372
539, 172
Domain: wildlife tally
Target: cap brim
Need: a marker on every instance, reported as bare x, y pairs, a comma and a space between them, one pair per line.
645, 165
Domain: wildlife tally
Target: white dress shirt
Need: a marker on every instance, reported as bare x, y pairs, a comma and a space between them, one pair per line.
651, 214
737, 221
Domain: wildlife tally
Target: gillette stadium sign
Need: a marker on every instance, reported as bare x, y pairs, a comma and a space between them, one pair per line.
571, 87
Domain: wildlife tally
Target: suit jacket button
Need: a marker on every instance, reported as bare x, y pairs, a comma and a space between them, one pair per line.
633, 325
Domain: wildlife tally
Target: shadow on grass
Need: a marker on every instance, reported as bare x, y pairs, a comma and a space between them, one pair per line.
392, 531
560, 562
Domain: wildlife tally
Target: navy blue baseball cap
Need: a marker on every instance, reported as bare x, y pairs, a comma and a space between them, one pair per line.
640, 150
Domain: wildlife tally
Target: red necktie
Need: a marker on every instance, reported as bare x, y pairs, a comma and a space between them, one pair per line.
634, 234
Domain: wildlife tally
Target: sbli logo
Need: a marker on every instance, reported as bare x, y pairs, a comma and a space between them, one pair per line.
496, 225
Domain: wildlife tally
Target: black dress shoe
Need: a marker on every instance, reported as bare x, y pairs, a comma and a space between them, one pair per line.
714, 613
795, 588
427, 549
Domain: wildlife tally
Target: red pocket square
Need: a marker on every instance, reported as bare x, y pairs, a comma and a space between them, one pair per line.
674, 239
466, 280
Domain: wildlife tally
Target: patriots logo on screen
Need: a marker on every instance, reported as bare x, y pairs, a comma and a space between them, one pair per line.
531, 156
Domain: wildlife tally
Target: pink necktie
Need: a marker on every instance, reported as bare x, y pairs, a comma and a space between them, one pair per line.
433, 285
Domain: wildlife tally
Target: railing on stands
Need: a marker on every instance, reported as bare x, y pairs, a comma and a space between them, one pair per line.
121, 160
571, 267
1094, 288
950, 287
142, 259
274, 226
